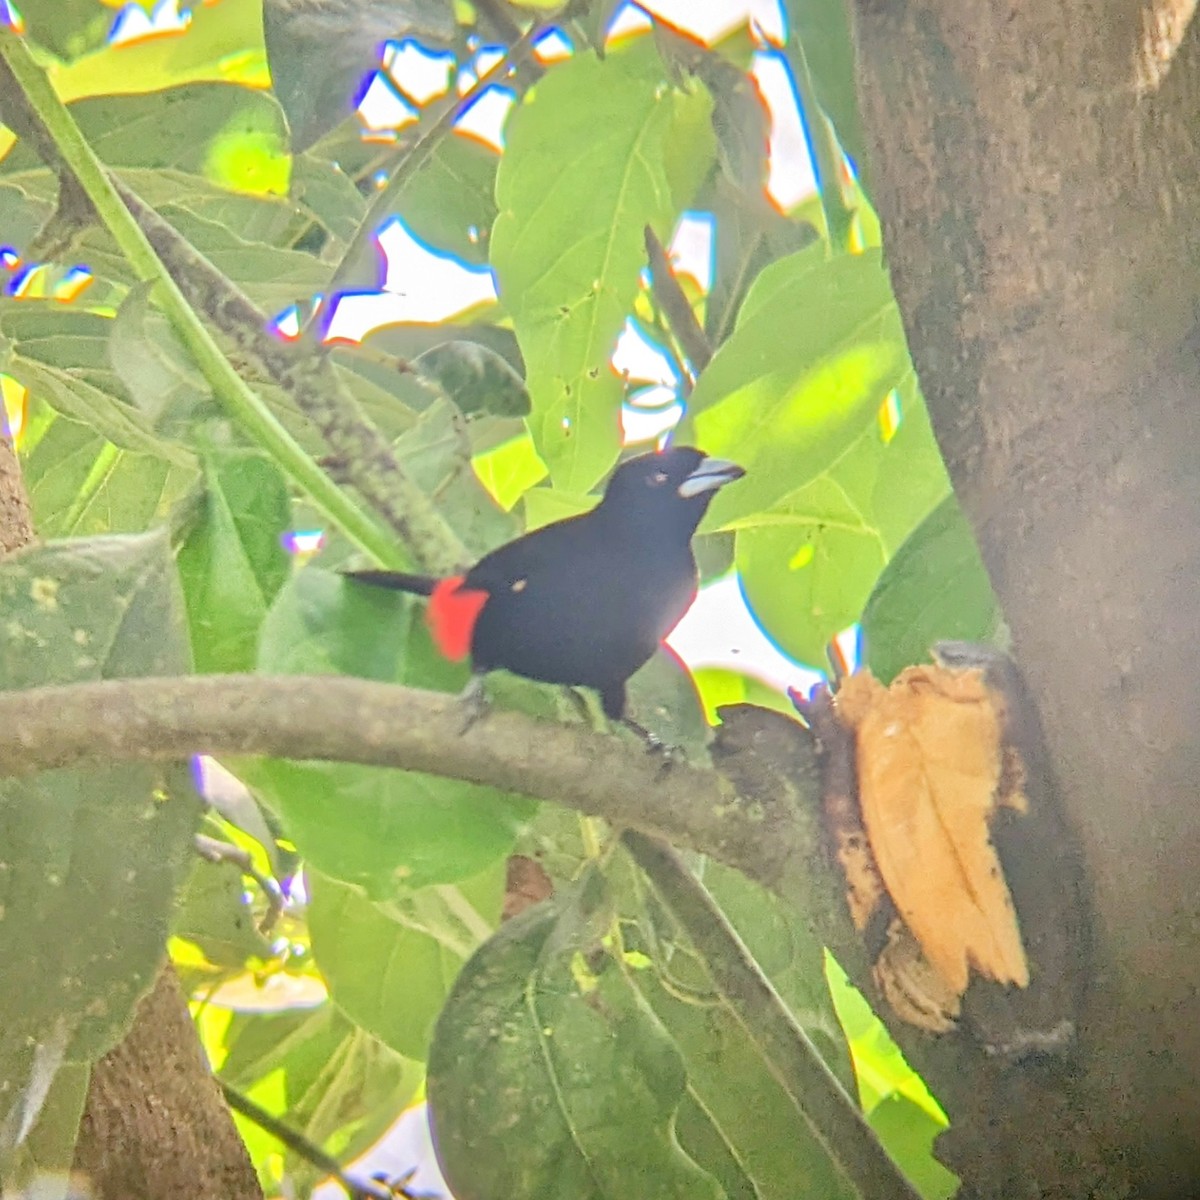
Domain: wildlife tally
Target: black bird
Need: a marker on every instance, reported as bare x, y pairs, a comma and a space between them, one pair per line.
585, 601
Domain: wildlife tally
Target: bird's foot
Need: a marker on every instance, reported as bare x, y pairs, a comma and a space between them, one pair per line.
473, 703
668, 755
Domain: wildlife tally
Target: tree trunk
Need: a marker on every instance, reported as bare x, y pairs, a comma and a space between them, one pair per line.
155, 1125
1037, 171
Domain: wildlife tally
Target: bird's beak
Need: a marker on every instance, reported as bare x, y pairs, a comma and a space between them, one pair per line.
712, 473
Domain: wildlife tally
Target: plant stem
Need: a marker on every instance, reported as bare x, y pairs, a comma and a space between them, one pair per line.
246, 407
789, 1054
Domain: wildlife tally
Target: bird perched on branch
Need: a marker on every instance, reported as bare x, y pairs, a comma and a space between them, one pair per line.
585, 601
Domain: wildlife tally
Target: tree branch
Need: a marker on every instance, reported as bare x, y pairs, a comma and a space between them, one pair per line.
332, 718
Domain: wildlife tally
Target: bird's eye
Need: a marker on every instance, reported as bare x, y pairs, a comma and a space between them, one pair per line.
657, 479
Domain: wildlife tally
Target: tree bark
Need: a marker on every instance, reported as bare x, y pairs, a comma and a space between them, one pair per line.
1038, 178
154, 1125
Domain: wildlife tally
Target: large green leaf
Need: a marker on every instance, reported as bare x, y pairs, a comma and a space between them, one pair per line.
436, 452
92, 858
79, 483
598, 150
381, 829
227, 133
817, 347
808, 563
223, 44
823, 29
935, 589
233, 563
389, 968
550, 1076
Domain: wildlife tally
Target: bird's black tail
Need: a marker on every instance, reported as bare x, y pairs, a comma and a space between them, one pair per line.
396, 581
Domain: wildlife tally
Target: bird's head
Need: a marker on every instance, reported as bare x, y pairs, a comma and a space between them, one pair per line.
669, 489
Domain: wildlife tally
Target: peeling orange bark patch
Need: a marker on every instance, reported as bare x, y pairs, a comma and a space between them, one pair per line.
929, 767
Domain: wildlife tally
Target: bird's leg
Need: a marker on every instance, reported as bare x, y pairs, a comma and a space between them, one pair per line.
473, 701
612, 700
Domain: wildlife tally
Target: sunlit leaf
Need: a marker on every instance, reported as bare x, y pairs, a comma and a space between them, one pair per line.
232, 563
325, 1077
818, 345
935, 589
386, 969
599, 150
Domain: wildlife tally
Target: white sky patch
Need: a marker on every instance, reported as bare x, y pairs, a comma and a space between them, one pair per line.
639, 358
791, 177
553, 46
383, 107
133, 23
693, 247
648, 424
422, 73
486, 117
718, 631
707, 19
419, 285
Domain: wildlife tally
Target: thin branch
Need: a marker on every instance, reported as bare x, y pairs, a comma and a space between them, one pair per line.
28, 89
419, 154
789, 1054
338, 719
224, 853
308, 1150
309, 378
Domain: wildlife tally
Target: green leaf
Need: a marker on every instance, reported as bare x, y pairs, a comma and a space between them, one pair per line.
328, 195
663, 698
549, 1075
936, 588
329, 1080
61, 355
230, 134
49, 1150
740, 1124
69, 28
232, 563
386, 971
79, 483
598, 150
318, 56
436, 452
92, 858
451, 201
215, 916
476, 378
154, 368
817, 348
381, 829
807, 564
908, 1132
824, 31
222, 44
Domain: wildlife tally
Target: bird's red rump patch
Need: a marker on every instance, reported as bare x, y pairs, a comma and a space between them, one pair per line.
451, 615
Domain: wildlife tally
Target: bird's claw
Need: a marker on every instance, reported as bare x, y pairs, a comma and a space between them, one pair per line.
667, 754
473, 703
